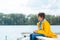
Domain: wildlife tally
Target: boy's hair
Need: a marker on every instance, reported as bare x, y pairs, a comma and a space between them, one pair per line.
42, 15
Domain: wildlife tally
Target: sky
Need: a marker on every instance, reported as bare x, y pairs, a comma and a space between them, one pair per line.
51, 7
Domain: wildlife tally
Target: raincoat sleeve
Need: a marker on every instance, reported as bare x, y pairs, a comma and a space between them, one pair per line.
40, 31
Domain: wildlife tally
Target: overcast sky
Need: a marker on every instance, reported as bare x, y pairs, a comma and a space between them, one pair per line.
30, 6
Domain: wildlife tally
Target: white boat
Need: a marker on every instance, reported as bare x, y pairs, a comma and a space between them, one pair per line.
44, 38
26, 36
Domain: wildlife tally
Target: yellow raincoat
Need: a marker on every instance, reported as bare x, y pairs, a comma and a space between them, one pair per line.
45, 29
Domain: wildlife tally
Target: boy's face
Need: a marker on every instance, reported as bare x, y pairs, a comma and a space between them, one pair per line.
40, 18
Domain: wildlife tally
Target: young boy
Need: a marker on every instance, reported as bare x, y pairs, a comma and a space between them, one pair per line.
43, 28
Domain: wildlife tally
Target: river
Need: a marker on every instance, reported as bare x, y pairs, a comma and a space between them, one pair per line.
14, 32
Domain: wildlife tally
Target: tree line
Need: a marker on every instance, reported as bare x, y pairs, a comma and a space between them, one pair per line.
21, 19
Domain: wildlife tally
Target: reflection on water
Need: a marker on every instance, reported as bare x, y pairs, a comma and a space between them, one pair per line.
14, 32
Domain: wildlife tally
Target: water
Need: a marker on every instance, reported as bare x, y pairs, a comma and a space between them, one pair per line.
14, 32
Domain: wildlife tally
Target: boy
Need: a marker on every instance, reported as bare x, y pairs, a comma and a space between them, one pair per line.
43, 28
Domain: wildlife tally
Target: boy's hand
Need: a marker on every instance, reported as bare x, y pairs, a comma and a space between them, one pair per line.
35, 31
